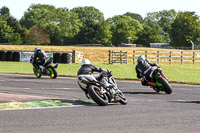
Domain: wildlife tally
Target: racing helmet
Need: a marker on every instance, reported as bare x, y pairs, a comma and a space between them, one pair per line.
36, 49
85, 62
141, 57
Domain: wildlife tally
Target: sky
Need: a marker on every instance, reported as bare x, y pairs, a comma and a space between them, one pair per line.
109, 8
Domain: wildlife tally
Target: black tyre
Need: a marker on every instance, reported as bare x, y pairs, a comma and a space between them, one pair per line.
122, 99
37, 74
100, 99
65, 58
57, 57
9, 56
16, 56
53, 72
167, 87
2, 55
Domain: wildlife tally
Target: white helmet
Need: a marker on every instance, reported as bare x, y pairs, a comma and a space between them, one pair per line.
85, 62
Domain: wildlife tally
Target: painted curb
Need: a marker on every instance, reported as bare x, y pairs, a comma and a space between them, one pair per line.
45, 104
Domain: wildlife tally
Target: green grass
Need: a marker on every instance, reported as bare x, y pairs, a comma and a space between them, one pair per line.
187, 73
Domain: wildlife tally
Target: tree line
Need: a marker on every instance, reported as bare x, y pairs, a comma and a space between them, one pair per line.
46, 25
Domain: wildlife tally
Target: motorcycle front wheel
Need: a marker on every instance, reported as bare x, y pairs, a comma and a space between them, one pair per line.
36, 73
167, 87
100, 99
53, 72
122, 99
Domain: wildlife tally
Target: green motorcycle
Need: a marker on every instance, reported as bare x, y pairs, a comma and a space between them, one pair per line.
46, 69
161, 81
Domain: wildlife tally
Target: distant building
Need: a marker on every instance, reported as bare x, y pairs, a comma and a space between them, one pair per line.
127, 45
159, 45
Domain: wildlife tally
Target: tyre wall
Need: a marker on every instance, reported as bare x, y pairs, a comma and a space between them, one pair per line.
15, 56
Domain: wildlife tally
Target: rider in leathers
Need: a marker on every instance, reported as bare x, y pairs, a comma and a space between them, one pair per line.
87, 68
39, 57
144, 70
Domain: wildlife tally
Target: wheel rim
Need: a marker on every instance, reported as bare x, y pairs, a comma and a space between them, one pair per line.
51, 71
100, 95
38, 74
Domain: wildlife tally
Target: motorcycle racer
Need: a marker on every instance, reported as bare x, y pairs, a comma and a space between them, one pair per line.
144, 70
39, 57
88, 68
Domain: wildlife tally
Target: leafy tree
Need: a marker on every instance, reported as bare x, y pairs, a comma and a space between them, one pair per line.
88, 13
13, 23
154, 25
149, 35
4, 12
122, 27
7, 34
92, 19
38, 14
103, 34
161, 20
135, 16
37, 35
185, 28
65, 24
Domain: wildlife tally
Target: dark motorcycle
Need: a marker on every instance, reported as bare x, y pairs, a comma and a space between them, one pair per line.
102, 96
46, 69
161, 81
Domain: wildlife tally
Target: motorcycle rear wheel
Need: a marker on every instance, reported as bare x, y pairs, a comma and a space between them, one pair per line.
100, 99
37, 74
167, 87
53, 72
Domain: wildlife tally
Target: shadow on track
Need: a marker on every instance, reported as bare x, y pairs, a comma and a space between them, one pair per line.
138, 93
197, 102
28, 77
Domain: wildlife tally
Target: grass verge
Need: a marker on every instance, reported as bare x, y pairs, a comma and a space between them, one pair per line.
186, 73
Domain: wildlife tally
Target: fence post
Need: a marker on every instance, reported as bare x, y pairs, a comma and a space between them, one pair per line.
146, 52
126, 57
110, 57
170, 57
182, 57
193, 57
158, 55
133, 57
74, 56
120, 57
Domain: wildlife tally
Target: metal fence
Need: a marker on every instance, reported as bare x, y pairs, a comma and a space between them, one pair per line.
154, 56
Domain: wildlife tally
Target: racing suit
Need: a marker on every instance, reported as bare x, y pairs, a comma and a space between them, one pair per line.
144, 70
89, 69
39, 58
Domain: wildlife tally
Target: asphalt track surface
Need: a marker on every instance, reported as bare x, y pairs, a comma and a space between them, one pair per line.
146, 111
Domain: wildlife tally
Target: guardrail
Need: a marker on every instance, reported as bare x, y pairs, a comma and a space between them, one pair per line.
155, 56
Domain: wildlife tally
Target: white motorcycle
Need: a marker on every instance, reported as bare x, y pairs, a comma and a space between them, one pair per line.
99, 94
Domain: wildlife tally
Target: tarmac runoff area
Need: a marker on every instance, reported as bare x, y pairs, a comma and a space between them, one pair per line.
34, 102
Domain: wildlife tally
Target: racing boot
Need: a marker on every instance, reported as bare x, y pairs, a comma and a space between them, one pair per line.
151, 84
87, 95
